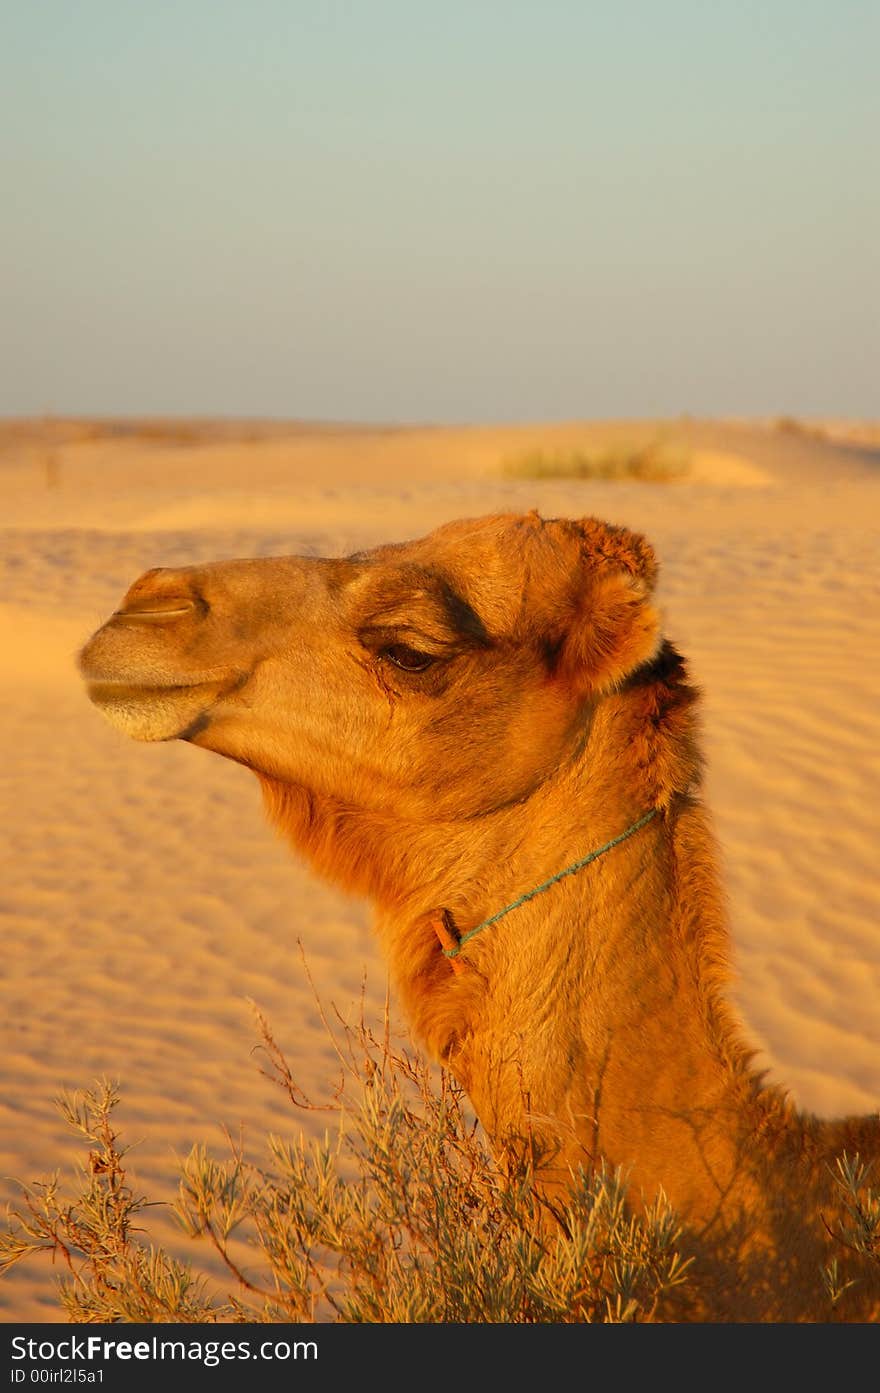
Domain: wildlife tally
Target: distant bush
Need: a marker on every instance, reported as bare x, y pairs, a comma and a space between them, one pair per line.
655, 462
790, 425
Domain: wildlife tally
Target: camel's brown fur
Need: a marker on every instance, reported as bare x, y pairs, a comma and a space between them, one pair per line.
551, 715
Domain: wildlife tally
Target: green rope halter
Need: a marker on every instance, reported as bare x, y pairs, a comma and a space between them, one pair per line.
539, 889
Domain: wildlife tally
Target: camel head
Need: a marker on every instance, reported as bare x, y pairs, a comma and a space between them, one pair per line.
436, 679
448, 726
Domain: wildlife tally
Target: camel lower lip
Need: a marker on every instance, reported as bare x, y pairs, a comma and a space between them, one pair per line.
154, 711
115, 691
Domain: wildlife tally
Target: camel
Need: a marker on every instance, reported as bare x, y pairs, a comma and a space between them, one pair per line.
486, 733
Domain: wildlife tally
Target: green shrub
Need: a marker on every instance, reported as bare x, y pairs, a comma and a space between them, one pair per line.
859, 1231
400, 1214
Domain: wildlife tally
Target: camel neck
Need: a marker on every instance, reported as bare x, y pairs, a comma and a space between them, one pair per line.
632, 943
454, 950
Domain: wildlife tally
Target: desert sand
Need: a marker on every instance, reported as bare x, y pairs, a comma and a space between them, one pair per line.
146, 902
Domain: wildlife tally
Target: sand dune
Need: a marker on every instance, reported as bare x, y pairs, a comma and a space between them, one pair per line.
144, 899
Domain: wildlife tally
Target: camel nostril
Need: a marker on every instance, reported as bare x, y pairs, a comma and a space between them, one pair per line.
147, 611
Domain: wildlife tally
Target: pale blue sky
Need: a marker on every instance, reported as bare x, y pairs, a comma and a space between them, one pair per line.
392, 210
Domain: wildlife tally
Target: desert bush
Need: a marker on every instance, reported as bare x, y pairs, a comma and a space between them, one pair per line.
399, 1214
654, 462
859, 1230
111, 1275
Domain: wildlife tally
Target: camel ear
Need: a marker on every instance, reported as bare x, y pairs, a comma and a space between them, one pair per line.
611, 627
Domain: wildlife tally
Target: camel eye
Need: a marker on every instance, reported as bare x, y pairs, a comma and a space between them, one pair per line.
406, 658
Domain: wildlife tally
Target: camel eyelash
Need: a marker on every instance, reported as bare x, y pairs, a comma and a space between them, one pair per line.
406, 658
